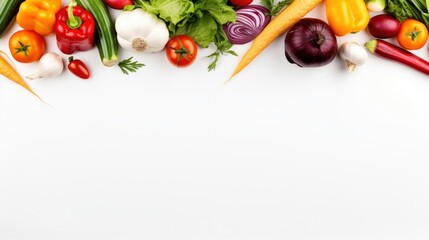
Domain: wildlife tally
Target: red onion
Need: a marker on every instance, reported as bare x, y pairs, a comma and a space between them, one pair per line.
250, 21
384, 26
310, 43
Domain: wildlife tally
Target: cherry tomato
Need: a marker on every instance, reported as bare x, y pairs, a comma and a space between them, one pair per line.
78, 68
181, 50
240, 3
118, 4
412, 35
26, 46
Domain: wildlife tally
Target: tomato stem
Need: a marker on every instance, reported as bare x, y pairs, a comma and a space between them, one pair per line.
414, 34
23, 48
182, 52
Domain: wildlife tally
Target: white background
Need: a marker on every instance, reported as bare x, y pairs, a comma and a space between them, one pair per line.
280, 152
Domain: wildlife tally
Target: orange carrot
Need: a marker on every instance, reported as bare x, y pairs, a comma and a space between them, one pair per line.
9, 72
289, 16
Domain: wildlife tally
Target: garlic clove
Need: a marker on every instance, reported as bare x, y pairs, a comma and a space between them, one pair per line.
353, 54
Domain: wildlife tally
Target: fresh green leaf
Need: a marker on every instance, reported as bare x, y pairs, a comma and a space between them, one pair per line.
276, 8
171, 11
268, 4
127, 65
280, 6
203, 30
220, 11
223, 46
404, 9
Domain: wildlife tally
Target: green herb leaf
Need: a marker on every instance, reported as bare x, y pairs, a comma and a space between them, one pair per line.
128, 65
276, 8
223, 47
280, 6
268, 4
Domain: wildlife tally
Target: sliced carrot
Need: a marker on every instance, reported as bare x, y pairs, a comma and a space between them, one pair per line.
289, 16
9, 72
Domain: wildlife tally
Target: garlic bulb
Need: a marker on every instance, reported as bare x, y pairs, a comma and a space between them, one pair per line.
140, 31
50, 65
353, 54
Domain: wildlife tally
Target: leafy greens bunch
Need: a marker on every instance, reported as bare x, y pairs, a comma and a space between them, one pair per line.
202, 20
404, 9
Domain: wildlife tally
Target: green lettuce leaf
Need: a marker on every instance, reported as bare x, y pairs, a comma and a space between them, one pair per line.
171, 11
204, 25
203, 30
219, 10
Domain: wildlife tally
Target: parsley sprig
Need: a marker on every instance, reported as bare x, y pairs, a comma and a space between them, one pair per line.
127, 65
276, 8
223, 46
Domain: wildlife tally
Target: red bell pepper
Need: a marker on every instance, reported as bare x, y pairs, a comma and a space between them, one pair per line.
74, 29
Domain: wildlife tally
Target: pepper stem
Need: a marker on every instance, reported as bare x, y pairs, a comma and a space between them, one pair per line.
73, 22
371, 45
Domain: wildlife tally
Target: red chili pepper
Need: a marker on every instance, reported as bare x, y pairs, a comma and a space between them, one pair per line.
78, 68
74, 29
390, 51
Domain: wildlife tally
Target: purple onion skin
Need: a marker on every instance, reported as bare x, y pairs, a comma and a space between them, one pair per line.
310, 42
383, 26
251, 20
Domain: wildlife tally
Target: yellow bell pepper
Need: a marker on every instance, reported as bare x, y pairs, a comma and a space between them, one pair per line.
38, 15
347, 16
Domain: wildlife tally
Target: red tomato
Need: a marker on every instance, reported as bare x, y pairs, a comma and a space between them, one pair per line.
181, 50
118, 4
240, 3
26, 46
412, 34
78, 68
